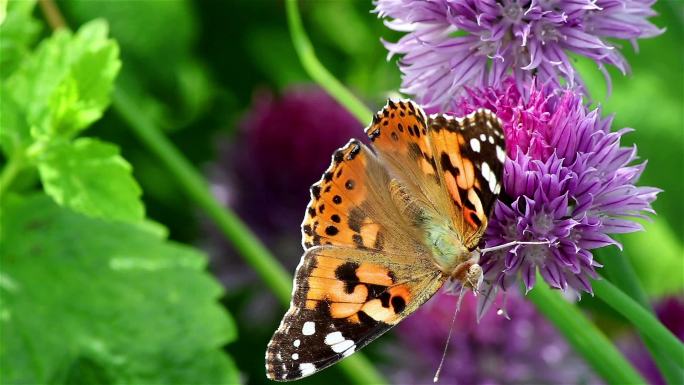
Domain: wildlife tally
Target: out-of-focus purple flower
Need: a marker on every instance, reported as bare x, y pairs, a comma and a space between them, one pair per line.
525, 349
670, 311
569, 182
282, 147
455, 43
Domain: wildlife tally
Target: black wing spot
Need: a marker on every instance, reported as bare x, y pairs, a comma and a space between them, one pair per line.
337, 199
350, 184
346, 272
398, 303
316, 191
331, 230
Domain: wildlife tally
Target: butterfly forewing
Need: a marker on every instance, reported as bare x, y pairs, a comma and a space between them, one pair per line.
470, 154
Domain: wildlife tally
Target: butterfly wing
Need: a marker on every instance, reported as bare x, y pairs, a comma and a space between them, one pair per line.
351, 206
471, 152
365, 268
343, 299
453, 166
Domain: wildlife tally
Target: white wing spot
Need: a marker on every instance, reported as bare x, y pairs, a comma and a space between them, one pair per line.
295, 356
483, 137
500, 154
307, 369
475, 145
491, 139
334, 338
342, 346
489, 176
497, 189
349, 352
485, 171
492, 182
296, 343
309, 328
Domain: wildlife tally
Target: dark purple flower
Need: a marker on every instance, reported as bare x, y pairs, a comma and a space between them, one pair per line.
525, 349
569, 182
455, 43
670, 311
282, 146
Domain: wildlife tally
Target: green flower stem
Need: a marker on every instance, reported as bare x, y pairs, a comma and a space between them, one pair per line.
620, 272
643, 320
9, 172
585, 337
357, 367
317, 71
273, 274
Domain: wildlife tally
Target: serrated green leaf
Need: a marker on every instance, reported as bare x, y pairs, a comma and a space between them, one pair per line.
89, 176
65, 85
18, 31
90, 300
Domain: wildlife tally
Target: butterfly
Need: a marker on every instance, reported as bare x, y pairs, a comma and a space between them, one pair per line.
386, 227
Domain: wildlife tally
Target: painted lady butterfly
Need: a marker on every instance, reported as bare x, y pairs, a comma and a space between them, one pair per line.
385, 228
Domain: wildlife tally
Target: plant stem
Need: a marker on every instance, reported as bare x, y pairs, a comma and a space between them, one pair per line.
246, 243
642, 319
317, 71
53, 16
621, 273
9, 172
357, 367
585, 337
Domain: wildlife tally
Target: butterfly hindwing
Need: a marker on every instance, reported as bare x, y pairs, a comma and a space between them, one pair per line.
343, 299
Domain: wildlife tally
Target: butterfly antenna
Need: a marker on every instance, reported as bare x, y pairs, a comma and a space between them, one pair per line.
512, 243
451, 328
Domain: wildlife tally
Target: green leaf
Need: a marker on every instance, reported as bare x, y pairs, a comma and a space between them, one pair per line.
89, 176
91, 301
18, 32
15, 134
65, 85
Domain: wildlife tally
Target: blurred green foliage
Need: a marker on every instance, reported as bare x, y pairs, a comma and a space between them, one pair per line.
92, 292
109, 302
194, 67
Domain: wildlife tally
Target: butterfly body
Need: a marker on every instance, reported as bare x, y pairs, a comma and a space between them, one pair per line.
385, 228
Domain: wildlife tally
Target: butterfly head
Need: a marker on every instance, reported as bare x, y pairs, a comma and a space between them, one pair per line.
469, 274
473, 277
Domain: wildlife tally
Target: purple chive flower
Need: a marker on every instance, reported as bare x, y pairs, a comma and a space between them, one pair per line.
569, 182
455, 43
525, 349
282, 146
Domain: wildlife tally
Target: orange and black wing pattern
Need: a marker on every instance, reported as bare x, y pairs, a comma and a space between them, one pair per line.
343, 299
470, 153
